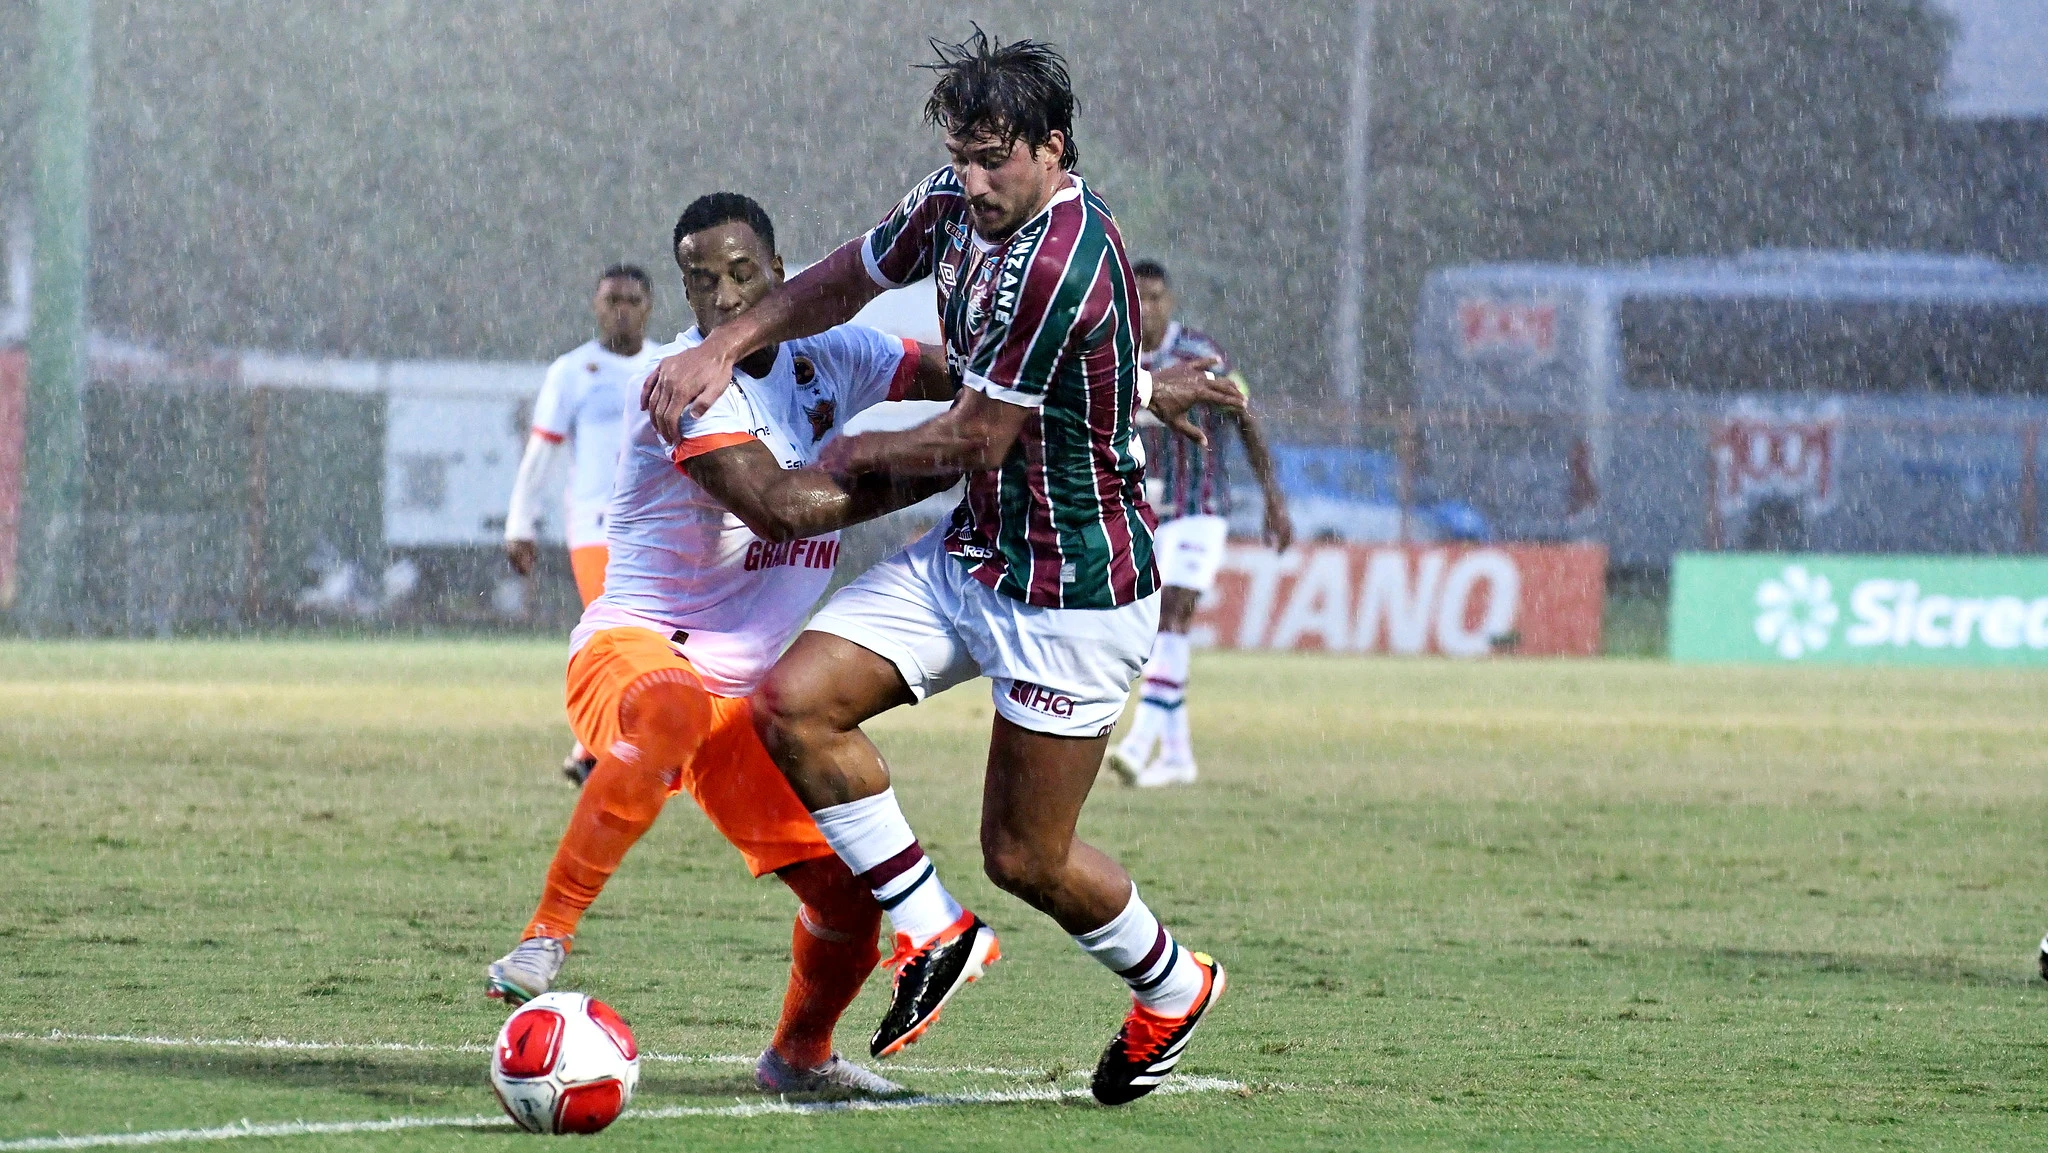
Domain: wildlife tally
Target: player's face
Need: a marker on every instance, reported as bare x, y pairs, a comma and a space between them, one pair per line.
726, 270
1155, 310
622, 305
1006, 183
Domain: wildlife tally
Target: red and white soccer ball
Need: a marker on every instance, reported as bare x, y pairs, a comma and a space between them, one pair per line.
565, 1063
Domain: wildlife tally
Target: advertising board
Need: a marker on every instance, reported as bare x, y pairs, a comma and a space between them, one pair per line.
1860, 610
1449, 600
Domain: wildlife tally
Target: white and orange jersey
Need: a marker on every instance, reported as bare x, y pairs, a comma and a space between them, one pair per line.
584, 401
680, 563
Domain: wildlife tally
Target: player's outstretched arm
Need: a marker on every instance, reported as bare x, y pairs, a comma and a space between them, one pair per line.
781, 504
972, 436
932, 381
1278, 529
827, 293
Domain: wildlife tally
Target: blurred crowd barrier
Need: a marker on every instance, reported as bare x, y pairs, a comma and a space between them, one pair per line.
253, 491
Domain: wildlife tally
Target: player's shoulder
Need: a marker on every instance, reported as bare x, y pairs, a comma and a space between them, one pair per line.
842, 342
1193, 343
1075, 236
582, 358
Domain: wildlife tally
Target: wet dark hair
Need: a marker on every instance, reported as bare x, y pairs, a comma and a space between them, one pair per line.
1150, 270
716, 208
1015, 91
628, 272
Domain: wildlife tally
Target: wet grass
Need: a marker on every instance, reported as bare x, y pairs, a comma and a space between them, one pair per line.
1520, 905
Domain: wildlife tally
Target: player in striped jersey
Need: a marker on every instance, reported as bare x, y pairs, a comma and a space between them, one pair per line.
1193, 502
1044, 579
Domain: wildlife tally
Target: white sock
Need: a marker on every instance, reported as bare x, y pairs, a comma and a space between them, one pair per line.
1146, 725
874, 840
1159, 695
1176, 747
1136, 947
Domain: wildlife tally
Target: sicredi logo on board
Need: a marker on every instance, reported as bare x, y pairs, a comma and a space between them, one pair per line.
1860, 609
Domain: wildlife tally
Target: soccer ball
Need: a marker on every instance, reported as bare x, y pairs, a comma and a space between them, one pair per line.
565, 1063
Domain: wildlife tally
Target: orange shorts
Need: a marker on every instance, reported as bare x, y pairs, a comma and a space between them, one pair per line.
730, 776
588, 564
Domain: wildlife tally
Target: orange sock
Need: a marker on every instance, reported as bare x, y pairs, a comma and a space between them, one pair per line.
832, 951
664, 719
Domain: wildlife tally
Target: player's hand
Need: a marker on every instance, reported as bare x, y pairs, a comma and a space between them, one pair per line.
686, 382
1178, 390
522, 555
837, 457
1279, 527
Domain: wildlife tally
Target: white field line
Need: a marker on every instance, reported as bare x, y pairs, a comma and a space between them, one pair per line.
281, 1044
1182, 1084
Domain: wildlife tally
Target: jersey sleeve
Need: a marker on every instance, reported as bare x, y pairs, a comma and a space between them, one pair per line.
898, 251
554, 410
1045, 293
728, 422
871, 367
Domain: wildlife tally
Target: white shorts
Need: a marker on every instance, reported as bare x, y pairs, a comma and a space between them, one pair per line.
1064, 672
1190, 550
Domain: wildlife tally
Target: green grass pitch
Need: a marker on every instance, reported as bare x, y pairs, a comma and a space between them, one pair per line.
1501, 906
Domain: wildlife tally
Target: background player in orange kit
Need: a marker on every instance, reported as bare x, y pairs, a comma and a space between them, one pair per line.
581, 411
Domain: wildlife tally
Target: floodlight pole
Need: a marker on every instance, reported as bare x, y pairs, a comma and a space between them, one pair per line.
1347, 358
53, 472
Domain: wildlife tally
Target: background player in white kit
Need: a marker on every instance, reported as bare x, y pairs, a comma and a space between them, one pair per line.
581, 412
1192, 499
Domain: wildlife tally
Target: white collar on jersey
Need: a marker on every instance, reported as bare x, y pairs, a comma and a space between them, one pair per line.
1072, 191
1147, 360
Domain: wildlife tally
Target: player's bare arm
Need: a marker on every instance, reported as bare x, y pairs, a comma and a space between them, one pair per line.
781, 504
978, 431
827, 293
1278, 529
972, 436
931, 380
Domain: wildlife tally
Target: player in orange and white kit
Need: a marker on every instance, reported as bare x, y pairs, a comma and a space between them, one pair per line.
581, 412
719, 546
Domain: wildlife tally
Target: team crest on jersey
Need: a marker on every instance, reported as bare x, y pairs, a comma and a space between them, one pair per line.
805, 371
591, 367
821, 416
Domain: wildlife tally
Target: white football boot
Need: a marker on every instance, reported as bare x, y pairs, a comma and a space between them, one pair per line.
526, 972
837, 1075
1127, 762
1165, 771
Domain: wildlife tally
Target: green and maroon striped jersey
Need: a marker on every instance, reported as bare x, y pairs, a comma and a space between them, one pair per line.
1048, 320
1193, 479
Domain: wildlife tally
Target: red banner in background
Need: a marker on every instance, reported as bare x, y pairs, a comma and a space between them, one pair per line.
1451, 600
13, 430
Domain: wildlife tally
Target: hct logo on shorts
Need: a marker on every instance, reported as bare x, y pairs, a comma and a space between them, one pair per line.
1796, 612
1040, 699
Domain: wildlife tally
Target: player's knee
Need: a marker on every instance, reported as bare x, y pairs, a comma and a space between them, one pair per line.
1020, 868
665, 719
790, 714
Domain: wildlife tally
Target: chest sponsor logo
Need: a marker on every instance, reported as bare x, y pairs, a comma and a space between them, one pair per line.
821, 415
1040, 699
812, 554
